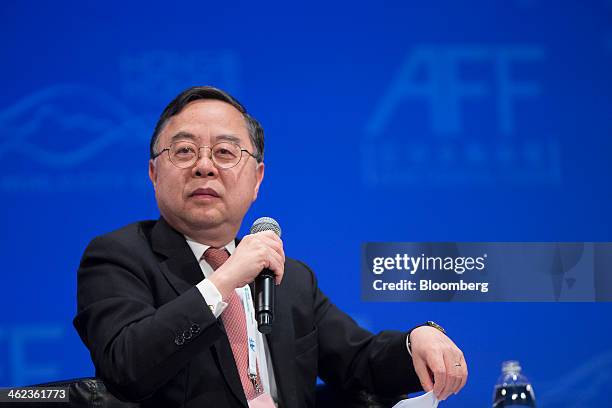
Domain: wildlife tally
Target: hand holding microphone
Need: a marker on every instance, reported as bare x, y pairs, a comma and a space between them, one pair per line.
259, 257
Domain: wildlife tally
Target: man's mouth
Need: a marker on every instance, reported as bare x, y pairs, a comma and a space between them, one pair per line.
204, 192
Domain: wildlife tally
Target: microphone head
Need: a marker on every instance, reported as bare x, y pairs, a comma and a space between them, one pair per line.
266, 224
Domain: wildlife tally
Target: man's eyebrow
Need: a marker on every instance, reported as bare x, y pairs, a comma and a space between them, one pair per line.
182, 135
228, 138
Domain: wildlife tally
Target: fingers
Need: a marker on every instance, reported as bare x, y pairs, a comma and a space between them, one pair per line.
464, 373
424, 374
255, 252
272, 240
276, 265
437, 366
275, 256
452, 375
457, 368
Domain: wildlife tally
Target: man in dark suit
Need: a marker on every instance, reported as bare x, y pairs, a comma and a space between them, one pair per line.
164, 306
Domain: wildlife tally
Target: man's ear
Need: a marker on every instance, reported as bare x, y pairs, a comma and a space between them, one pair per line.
259, 174
152, 172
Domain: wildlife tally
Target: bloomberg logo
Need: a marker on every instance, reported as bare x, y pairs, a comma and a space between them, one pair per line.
492, 88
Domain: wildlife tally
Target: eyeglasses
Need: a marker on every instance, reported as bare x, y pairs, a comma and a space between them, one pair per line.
224, 155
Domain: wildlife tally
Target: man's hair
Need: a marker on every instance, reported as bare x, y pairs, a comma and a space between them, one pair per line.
196, 93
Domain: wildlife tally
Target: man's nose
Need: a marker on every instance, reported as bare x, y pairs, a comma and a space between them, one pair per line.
204, 164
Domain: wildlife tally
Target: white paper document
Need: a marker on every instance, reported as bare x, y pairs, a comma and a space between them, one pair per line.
423, 401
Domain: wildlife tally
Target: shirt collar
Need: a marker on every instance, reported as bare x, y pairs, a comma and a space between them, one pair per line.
199, 249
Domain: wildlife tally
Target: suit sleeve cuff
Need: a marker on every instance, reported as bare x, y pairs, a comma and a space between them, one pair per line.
212, 296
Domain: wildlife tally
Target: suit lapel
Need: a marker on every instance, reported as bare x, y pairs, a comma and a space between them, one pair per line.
180, 267
182, 271
227, 364
282, 350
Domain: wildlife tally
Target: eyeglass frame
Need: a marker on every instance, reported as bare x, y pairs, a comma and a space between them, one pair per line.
156, 155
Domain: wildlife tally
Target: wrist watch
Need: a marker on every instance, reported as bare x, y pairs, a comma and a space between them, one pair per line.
427, 323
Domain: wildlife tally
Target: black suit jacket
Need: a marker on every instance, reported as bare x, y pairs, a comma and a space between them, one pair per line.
153, 339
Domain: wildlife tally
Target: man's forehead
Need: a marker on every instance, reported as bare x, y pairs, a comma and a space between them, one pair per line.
207, 118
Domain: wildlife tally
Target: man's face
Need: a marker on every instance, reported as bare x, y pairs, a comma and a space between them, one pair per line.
204, 198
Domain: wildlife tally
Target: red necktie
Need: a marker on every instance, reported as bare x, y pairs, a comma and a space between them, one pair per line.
235, 326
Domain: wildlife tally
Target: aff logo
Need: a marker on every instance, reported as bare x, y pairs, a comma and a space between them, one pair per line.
435, 77
445, 91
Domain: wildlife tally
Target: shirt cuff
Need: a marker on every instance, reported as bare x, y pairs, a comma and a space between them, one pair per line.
408, 345
212, 296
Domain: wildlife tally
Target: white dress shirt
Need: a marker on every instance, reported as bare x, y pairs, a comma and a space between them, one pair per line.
215, 302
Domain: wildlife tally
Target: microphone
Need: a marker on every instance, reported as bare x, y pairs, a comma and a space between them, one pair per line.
264, 283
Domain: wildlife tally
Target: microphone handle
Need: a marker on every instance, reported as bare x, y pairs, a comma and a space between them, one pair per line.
264, 301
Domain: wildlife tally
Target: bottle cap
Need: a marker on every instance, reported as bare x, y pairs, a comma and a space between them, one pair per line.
511, 366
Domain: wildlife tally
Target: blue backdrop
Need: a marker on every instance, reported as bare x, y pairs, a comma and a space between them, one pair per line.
402, 121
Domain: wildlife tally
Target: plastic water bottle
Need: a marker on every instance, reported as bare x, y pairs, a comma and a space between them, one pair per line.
513, 389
